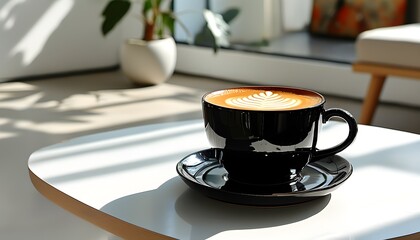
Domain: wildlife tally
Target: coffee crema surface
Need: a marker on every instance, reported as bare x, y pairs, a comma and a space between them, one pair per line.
264, 98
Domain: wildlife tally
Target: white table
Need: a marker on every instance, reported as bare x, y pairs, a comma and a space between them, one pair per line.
125, 182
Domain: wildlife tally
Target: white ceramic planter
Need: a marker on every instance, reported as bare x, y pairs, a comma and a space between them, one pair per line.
148, 62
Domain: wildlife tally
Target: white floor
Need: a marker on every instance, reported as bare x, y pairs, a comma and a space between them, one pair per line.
38, 113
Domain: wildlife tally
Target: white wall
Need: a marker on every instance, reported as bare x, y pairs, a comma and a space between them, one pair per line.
52, 36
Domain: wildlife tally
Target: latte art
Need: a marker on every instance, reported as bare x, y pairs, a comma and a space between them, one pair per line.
260, 98
264, 100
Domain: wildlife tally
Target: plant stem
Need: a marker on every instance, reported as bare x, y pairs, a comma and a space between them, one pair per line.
149, 31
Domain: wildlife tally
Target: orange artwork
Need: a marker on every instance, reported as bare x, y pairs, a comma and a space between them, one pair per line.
348, 18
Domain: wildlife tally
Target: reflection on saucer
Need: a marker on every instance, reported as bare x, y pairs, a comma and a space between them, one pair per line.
203, 172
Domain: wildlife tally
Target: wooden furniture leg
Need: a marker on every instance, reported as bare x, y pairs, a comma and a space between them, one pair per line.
372, 98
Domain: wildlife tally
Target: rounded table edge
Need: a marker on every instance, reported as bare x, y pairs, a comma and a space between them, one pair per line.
107, 222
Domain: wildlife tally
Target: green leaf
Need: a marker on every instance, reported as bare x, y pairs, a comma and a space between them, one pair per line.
230, 14
113, 13
206, 38
168, 21
219, 29
147, 6
215, 33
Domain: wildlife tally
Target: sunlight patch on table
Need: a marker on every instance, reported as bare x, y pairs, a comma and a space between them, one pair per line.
132, 161
335, 132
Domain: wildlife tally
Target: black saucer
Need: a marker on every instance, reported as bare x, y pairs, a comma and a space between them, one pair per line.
202, 171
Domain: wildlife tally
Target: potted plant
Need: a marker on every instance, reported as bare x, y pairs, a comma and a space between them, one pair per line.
152, 58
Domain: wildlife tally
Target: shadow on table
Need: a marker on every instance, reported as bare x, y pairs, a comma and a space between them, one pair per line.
177, 211
209, 217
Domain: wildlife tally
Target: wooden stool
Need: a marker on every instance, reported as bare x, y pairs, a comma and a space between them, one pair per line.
383, 52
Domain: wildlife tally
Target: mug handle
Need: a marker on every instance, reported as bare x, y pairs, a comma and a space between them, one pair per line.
351, 122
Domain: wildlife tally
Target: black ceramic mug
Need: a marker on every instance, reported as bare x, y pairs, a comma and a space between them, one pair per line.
268, 134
